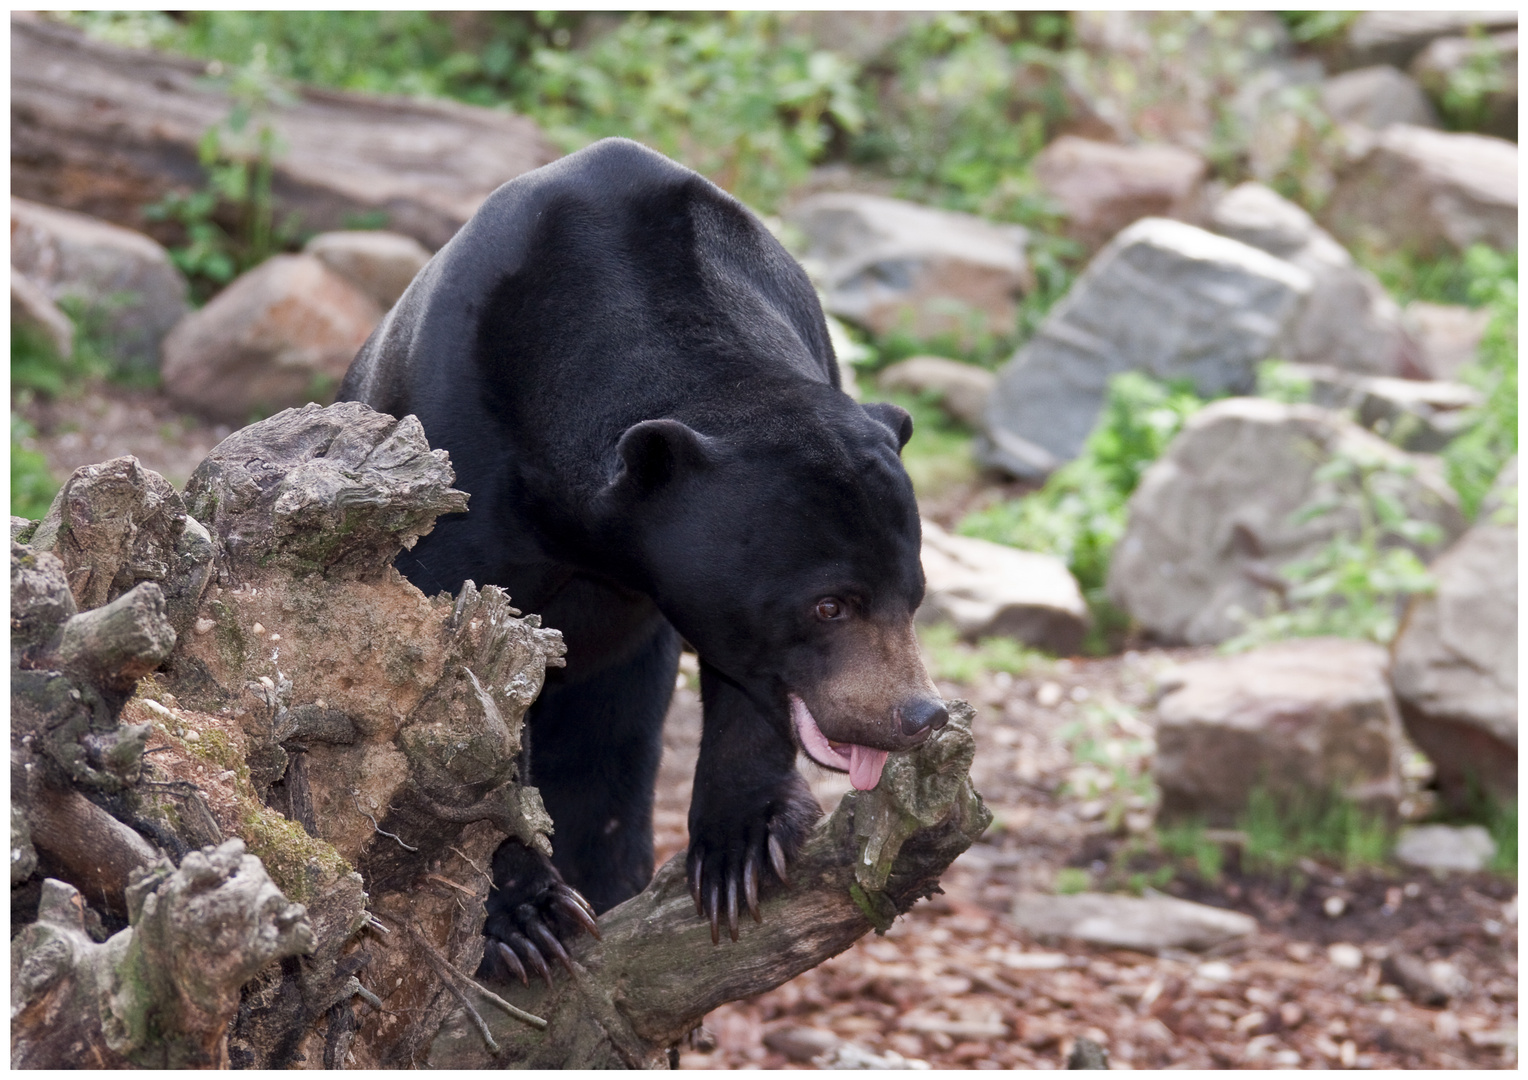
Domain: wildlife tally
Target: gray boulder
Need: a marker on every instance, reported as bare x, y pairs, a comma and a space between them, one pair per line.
1300, 717
1376, 97
993, 590
1347, 320
892, 265
1455, 666
962, 389
1164, 298
380, 264
1445, 847
1145, 924
279, 336
33, 312
1213, 519
1428, 192
1104, 187
1441, 65
1421, 415
1447, 336
1395, 37
131, 291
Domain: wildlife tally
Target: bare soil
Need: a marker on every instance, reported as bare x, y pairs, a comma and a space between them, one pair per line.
954, 983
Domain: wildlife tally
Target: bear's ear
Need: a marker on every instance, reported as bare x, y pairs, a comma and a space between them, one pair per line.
653, 452
894, 417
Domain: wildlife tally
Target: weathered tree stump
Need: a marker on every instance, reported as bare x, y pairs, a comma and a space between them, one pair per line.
362, 743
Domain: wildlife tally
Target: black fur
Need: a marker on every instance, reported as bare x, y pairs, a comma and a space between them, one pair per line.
635, 384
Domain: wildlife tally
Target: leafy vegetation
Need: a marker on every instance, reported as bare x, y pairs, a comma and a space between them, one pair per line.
1189, 841
1111, 752
1080, 513
1356, 583
950, 659
1476, 456
1280, 831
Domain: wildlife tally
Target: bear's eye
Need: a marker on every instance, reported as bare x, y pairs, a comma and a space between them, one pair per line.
830, 607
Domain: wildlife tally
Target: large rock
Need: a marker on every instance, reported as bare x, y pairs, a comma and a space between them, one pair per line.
279, 336
1164, 298
108, 130
1145, 924
1443, 63
1347, 320
1447, 336
132, 292
1445, 847
1298, 719
33, 312
1428, 192
1395, 37
1214, 519
380, 264
992, 590
962, 389
891, 265
1376, 97
1105, 187
1455, 668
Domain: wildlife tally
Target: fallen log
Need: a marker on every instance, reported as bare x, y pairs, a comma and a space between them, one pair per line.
107, 131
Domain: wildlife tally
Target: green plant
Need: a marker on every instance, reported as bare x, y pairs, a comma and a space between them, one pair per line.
1315, 27
1071, 880
737, 96
1187, 840
1465, 101
32, 482
238, 156
1111, 752
1475, 457
951, 659
1080, 513
1279, 381
964, 102
1356, 583
1282, 830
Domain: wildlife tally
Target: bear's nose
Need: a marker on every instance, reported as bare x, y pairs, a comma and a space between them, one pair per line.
923, 714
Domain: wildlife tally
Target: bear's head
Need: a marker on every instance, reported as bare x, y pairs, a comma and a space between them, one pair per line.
786, 550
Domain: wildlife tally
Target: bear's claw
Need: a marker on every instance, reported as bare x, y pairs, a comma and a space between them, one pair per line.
717, 894
531, 912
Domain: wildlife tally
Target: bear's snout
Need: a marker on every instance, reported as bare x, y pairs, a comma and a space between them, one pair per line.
922, 716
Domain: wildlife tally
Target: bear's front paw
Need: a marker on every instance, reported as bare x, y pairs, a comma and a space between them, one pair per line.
730, 839
531, 912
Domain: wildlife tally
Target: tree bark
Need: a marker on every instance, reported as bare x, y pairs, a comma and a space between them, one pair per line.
108, 131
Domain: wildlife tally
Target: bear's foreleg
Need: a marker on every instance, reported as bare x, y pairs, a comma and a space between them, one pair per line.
750, 809
595, 746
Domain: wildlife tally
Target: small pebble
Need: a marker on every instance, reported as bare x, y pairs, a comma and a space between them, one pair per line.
192, 735
1346, 956
204, 626
1334, 906
258, 628
1048, 696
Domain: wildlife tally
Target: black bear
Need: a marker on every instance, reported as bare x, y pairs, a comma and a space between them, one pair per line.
635, 384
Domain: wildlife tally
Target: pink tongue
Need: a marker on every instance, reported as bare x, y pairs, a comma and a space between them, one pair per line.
865, 767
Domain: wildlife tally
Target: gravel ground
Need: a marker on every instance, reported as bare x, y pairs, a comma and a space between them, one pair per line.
955, 984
